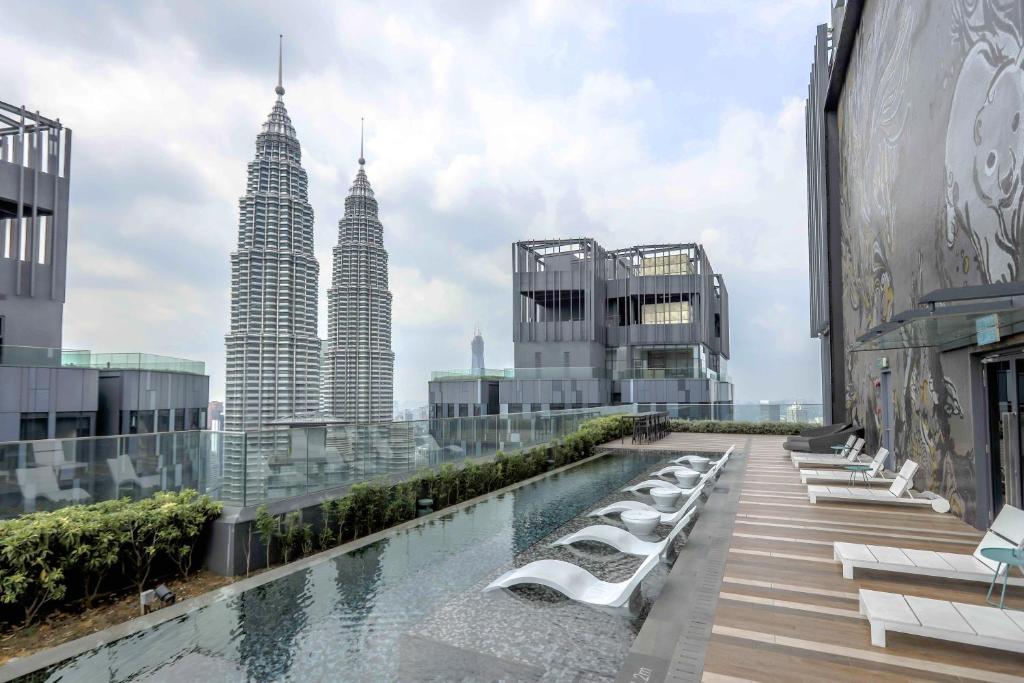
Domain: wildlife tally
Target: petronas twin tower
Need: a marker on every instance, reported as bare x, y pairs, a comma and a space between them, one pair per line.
274, 358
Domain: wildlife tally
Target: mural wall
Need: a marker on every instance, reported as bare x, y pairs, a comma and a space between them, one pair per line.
932, 147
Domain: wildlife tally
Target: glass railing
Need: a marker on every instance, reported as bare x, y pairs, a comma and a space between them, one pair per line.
309, 459
253, 468
51, 473
688, 372
33, 356
743, 412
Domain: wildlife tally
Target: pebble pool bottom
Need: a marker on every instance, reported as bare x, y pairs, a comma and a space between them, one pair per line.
410, 607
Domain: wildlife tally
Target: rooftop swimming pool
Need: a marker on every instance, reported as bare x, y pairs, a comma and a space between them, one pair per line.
410, 606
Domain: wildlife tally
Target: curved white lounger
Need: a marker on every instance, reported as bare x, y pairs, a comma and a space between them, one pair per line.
625, 542
661, 483
672, 469
690, 458
666, 517
577, 583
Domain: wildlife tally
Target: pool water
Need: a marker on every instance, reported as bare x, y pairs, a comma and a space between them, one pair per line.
410, 607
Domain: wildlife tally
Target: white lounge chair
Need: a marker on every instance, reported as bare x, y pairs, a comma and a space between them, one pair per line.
897, 494
873, 475
700, 458
625, 542
1007, 531
122, 469
846, 457
666, 517
577, 583
41, 482
715, 468
943, 620
670, 471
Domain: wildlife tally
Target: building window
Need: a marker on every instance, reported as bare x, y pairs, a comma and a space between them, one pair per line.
144, 421
163, 420
666, 313
718, 325
34, 426
73, 425
179, 420
666, 264
463, 410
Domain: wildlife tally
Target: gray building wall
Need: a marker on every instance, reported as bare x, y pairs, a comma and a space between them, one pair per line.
35, 176
183, 399
45, 390
930, 199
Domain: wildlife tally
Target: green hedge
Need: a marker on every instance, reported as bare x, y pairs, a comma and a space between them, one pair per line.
724, 427
75, 554
375, 506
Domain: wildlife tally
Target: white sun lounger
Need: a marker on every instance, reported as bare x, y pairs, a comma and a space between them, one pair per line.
666, 517
1007, 531
122, 469
847, 457
577, 583
698, 458
661, 483
837, 476
897, 494
625, 542
943, 620
713, 471
41, 482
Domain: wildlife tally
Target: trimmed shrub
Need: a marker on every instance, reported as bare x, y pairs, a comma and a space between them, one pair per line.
727, 427
71, 554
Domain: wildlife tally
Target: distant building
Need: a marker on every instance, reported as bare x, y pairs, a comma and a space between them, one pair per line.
797, 412
647, 324
47, 392
215, 415
771, 412
273, 352
359, 363
477, 347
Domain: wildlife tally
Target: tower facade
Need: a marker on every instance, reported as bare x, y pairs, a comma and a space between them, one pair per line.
272, 345
358, 360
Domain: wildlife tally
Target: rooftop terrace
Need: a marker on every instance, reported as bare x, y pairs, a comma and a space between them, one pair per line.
757, 596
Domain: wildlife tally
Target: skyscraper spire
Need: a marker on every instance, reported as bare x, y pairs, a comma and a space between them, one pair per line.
362, 161
280, 61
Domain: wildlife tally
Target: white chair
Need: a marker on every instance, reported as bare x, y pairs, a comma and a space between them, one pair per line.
956, 622
852, 456
41, 482
625, 542
874, 474
1007, 531
122, 469
700, 458
666, 517
897, 494
579, 584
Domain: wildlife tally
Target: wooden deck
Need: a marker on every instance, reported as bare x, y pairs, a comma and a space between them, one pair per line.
784, 611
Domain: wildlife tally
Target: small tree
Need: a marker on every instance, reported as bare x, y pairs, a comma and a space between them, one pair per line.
144, 525
267, 526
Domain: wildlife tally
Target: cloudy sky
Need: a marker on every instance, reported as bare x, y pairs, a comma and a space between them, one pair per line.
487, 122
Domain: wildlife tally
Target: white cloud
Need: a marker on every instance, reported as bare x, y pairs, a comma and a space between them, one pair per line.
485, 124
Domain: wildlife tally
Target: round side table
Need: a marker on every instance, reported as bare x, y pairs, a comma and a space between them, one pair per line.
854, 470
1011, 557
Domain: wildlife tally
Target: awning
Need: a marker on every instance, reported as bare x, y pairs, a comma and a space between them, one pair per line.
998, 311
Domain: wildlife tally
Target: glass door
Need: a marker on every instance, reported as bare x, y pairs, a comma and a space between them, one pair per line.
1005, 386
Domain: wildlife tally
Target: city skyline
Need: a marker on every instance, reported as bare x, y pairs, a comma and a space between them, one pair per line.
467, 168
